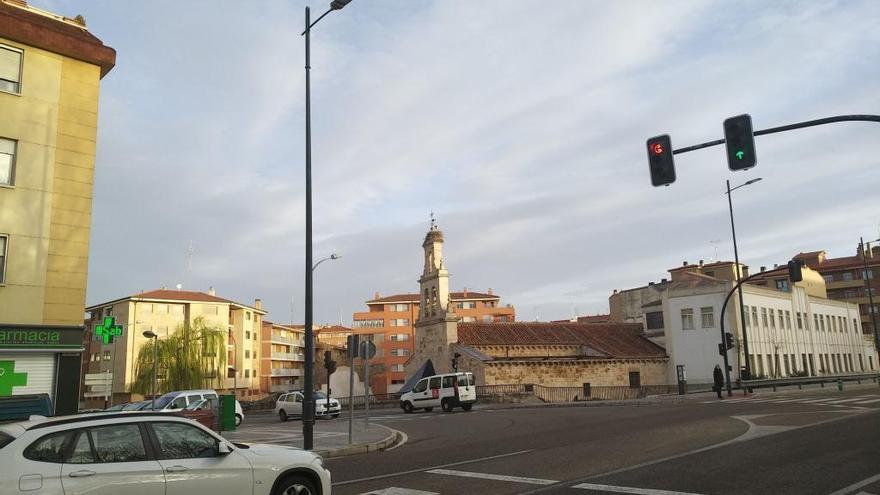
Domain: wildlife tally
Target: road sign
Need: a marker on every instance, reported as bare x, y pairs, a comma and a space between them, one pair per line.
367, 350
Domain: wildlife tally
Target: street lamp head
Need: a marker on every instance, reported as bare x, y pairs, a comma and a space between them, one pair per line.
753, 181
338, 4
335, 256
150, 334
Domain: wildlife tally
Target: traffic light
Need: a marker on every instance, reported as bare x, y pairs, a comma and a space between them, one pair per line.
794, 271
728, 340
660, 160
740, 142
329, 363
721, 349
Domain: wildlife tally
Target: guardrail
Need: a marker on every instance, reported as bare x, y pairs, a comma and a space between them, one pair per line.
519, 392
799, 382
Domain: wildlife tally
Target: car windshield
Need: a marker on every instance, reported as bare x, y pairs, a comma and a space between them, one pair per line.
166, 399
320, 395
5, 439
134, 406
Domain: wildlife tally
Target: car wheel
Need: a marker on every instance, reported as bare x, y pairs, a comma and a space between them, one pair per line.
467, 407
408, 407
447, 406
295, 485
429, 409
282, 415
238, 420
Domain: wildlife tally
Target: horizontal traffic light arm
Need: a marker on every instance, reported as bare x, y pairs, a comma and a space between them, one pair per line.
789, 127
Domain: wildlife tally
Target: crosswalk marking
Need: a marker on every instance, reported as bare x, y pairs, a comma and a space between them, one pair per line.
489, 476
863, 399
625, 489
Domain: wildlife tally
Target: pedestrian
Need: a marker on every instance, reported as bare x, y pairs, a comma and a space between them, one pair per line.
718, 376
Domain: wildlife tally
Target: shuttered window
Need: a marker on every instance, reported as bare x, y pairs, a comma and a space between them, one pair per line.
10, 69
7, 161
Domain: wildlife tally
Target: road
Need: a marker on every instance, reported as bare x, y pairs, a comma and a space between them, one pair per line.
818, 441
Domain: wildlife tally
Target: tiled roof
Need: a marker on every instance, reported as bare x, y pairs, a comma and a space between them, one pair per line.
176, 295
616, 340
332, 329
693, 280
456, 296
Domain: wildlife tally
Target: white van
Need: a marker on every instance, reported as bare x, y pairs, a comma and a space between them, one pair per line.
173, 401
448, 391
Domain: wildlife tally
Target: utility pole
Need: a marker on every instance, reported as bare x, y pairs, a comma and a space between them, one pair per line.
863, 245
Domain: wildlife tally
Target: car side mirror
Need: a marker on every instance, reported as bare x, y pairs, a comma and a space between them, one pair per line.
223, 449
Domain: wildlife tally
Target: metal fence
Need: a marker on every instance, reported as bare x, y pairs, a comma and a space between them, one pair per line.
799, 382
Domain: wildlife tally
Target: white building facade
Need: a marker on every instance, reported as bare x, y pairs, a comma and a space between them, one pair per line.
790, 332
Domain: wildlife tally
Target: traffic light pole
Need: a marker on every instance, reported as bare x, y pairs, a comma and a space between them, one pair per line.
308, 421
742, 308
790, 127
738, 287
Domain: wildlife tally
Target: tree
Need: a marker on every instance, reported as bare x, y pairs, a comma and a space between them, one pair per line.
191, 357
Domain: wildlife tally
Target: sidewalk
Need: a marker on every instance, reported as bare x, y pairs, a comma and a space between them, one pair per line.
330, 436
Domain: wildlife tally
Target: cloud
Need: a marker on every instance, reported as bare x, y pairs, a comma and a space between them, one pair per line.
521, 126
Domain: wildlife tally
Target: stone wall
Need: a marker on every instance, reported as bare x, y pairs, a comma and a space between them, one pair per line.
573, 373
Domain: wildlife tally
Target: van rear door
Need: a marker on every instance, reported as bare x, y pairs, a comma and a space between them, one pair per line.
467, 389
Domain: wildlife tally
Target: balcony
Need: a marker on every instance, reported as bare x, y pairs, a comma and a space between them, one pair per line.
283, 387
844, 284
288, 356
287, 372
285, 340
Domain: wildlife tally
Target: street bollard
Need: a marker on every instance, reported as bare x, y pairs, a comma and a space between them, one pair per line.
840, 385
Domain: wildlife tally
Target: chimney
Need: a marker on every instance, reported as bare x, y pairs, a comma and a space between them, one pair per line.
684, 263
650, 284
615, 291
376, 295
465, 292
701, 262
775, 265
490, 291
211, 291
663, 280
258, 303
763, 269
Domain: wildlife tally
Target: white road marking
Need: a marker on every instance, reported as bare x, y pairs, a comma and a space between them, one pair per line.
624, 489
868, 401
451, 464
496, 477
855, 486
398, 491
843, 401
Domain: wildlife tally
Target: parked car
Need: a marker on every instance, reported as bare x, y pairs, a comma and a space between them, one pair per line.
20, 407
173, 401
147, 453
137, 406
290, 404
448, 391
203, 411
117, 407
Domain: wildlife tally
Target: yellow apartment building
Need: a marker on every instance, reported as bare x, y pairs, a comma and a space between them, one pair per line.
163, 312
51, 68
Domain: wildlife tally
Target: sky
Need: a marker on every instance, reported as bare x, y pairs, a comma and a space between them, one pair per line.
521, 127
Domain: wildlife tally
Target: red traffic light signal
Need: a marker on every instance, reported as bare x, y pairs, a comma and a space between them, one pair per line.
660, 160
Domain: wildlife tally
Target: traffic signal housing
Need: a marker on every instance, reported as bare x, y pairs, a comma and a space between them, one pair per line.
739, 139
660, 160
329, 363
794, 271
728, 340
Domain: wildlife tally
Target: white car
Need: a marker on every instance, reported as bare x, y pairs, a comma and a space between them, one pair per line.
291, 405
449, 390
147, 453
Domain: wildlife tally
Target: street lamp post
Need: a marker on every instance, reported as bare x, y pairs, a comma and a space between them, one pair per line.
308, 420
742, 308
152, 335
862, 246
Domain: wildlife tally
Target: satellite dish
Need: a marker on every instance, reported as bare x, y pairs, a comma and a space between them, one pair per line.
179, 286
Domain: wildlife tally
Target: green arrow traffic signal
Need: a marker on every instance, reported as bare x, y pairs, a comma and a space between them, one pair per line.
740, 154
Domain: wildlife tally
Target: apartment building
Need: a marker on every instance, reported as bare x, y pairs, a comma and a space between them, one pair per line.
283, 357
51, 68
333, 335
163, 312
847, 280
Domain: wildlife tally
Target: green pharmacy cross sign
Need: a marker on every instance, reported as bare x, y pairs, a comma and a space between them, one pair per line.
108, 330
9, 378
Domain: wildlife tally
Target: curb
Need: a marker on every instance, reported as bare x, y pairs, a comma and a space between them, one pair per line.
392, 440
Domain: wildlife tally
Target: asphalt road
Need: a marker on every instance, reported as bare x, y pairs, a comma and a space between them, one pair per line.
818, 441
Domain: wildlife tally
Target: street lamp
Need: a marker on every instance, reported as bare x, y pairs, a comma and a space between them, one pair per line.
862, 247
152, 335
308, 420
742, 308
333, 256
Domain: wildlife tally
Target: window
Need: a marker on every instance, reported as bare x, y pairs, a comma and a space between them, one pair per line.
247, 354
106, 355
434, 382
118, 443
687, 319
247, 373
828, 322
7, 161
800, 321
247, 335
783, 285
247, 315
847, 276
772, 319
468, 305
400, 352
654, 321
764, 317
469, 319
178, 403
869, 274
397, 367
816, 322
635, 379
10, 69
180, 441
399, 337
448, 381
82, 451
3, 240
781, 319
487, 318
50, 448
400, 322
398, 382
398, 307
421, 386
788, 319
708, 316
828, 278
